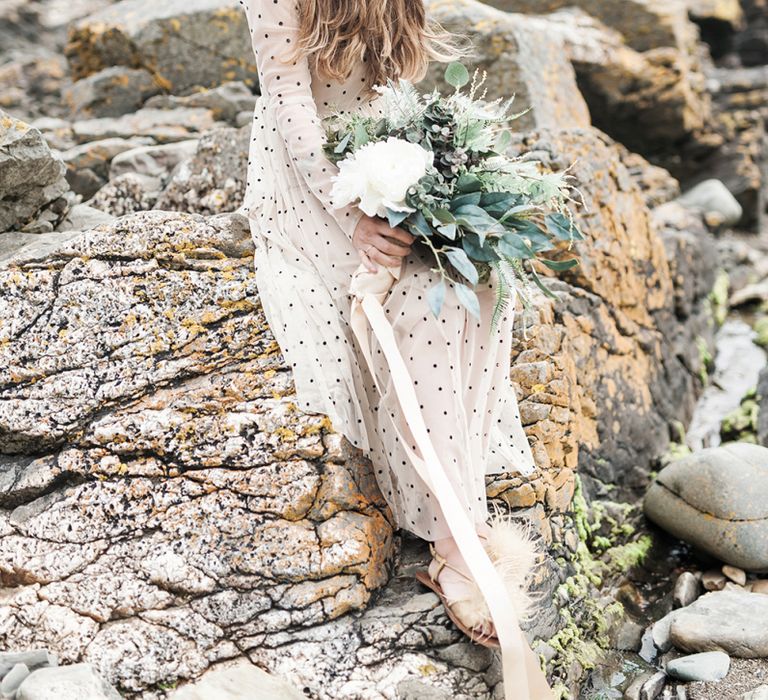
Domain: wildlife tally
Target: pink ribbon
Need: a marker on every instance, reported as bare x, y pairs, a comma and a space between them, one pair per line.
523, 678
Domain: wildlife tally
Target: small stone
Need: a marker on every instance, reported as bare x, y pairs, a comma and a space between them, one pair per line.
661, 631
681, 693
653, 686
713, 197
735, 574
759, 693
12, 680
760, 586
713, 581
635, 688
708, 666
686, 589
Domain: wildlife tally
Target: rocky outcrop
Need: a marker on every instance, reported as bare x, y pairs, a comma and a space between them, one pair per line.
182, 46
626, 328
160, 489
32, 183
520, 58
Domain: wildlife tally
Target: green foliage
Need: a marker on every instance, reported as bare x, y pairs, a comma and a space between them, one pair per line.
741, 424
718, 297
476, 210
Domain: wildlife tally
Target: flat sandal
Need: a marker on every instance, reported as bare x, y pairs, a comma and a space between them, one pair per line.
426, 579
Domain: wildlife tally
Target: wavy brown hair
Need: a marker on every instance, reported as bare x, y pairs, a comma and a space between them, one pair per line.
395, 38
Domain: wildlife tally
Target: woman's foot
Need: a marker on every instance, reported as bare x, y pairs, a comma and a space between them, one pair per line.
458, 586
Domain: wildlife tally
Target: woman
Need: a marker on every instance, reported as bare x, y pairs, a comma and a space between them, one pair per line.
314, 56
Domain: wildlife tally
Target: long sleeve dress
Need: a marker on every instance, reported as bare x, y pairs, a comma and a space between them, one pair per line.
304, 260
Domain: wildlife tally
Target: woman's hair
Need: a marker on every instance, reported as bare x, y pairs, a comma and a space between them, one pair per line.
395, 37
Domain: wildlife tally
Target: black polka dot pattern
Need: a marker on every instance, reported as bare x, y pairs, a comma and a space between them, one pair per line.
304, 261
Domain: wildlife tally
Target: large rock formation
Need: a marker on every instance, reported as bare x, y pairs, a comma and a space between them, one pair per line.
520, 58
183, 45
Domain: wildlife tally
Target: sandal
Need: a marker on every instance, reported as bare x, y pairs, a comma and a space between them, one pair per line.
475, 601
513, 553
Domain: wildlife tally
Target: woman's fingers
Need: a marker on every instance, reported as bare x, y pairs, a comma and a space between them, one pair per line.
397, 233
387, 260
369, 264
389, 247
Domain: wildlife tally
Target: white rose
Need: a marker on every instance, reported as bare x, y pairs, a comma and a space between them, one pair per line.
379, 175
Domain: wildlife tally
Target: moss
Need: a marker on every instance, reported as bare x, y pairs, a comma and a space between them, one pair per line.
622, 558
761, 329
718, 297
706, 360
741, 424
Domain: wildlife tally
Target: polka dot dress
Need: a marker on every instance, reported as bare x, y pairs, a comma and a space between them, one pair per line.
304, 261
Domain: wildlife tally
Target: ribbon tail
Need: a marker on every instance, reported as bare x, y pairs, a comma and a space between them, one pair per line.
523, 678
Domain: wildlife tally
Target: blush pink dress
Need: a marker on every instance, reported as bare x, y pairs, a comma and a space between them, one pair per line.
304, 260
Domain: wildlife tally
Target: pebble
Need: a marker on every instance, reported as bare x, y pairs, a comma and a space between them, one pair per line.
760, 586
735, 574
707, 666
759, 693
12, 680
713, 581
686, 589
79, 681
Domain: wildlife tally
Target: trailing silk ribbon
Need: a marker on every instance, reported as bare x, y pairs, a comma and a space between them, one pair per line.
523, 678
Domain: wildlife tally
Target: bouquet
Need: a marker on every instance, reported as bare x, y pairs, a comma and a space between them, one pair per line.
435, 165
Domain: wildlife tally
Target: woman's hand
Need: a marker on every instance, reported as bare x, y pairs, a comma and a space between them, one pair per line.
378, 242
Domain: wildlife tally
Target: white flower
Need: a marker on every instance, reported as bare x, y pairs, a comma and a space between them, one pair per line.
379, 175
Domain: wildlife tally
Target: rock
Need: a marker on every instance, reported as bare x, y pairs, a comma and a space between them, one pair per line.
713, 196
752, 44
154, 161
760, 693
736, 575
88, 163
635, 689
31, 179
79, 681
160, 493
12, 680
709, 666
225, 101
717, 499
239, 680
111, 92
126, 194
760, 586
686, 589
185, 46
213, 179
660, 631
638, 98
730, 620
653, 686
713, 581
162, 125
521, 58
32, 246
645, 25
718, 21
627, 636
33, 659
83, 217
762, 413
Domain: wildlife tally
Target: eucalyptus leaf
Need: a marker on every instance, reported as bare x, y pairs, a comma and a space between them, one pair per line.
468, 299
475, 248
560, 265
361, 135
456, 74
513, 246
540, 284
342, 145
463, 264
448, 230
436, 297
468, 182
395, 218
562, 228
464, 199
